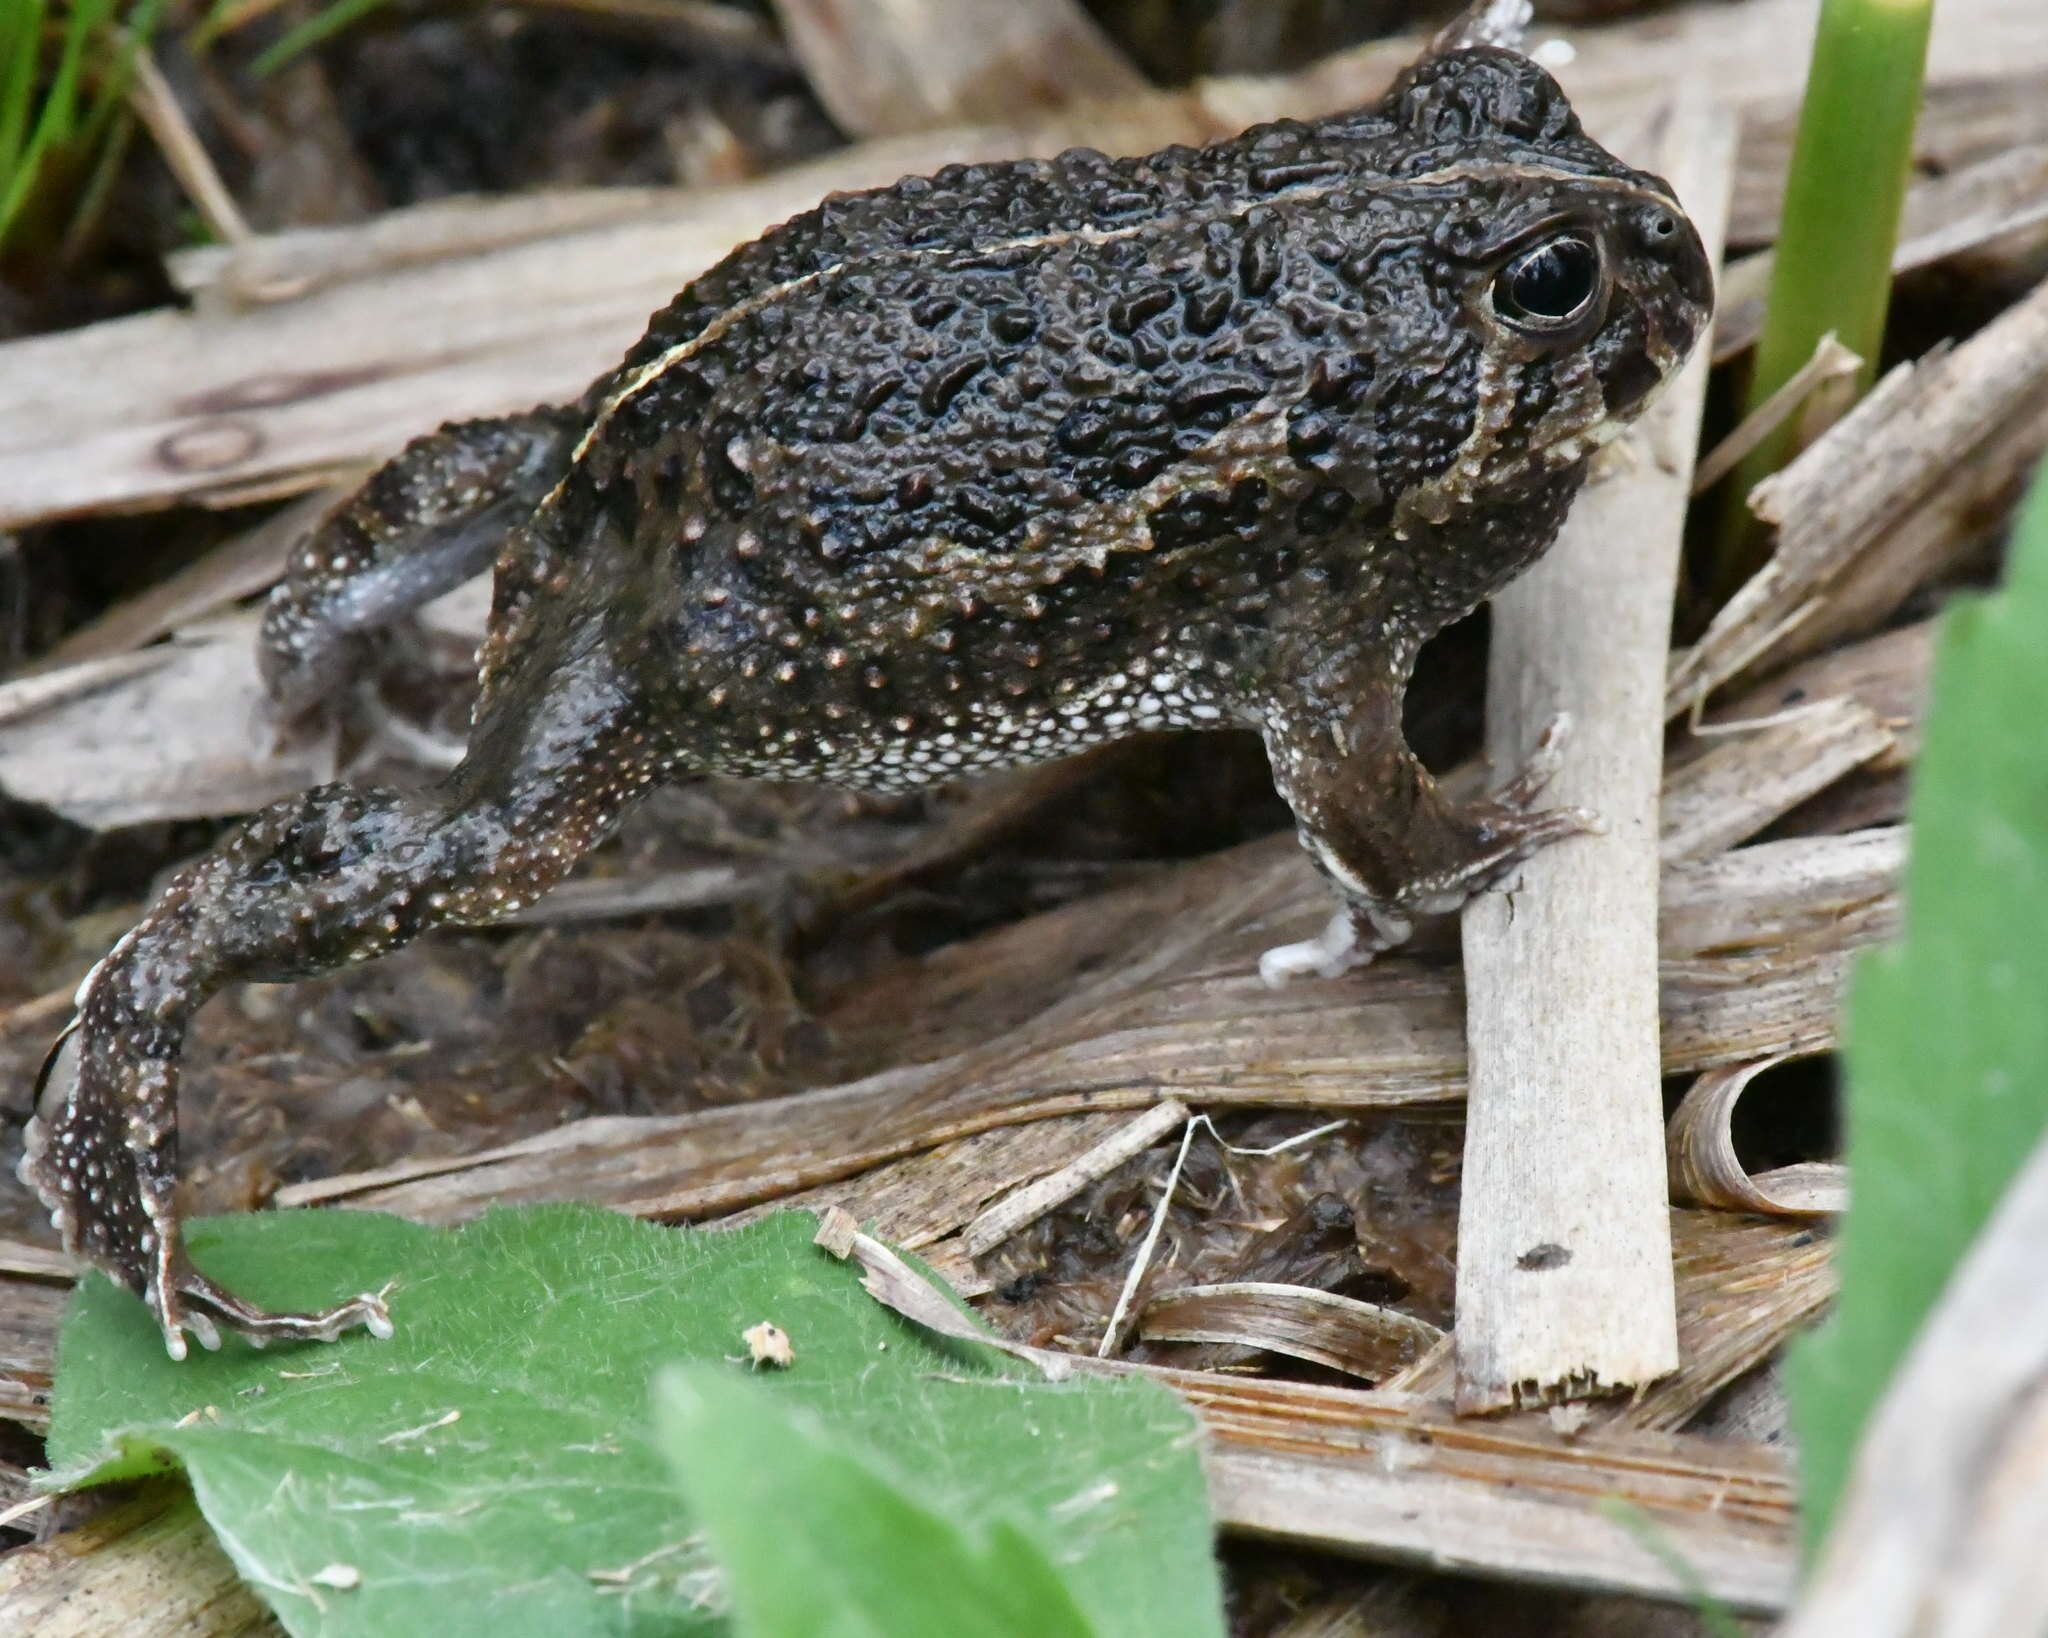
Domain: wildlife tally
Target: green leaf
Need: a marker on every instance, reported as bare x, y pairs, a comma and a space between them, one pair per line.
1946, 1055
817, 1542
494, 1467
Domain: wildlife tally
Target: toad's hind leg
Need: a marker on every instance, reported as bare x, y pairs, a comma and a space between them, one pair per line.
427, 520
337, 875
1380, 827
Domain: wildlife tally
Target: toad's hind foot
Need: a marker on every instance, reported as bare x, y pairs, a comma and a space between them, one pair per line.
112, 1203
1352, 936
183, 1299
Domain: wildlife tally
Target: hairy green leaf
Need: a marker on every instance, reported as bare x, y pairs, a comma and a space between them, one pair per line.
494, 1467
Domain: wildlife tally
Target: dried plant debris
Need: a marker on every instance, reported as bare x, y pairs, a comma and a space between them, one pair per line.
1367, 1214
1705, 1167
1361, 1339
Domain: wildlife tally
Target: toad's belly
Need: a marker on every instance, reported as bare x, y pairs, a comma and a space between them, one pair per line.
872, 751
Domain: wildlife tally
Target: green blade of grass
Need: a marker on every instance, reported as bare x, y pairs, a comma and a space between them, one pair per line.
1843, 195
21, 37
323, 24
134, 37
1946, 1043
66, 117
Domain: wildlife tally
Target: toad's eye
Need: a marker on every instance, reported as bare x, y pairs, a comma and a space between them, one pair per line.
1549, 285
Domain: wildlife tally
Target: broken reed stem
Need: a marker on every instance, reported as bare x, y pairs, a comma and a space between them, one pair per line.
1564, 1255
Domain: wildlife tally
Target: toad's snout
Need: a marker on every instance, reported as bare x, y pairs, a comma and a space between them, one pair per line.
1665, 269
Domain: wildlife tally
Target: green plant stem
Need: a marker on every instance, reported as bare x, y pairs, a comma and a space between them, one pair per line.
1840, 223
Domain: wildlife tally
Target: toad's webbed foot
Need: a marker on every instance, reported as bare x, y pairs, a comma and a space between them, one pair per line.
429, 519
1394, 846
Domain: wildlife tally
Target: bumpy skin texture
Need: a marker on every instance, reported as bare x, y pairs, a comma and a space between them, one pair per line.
967, 472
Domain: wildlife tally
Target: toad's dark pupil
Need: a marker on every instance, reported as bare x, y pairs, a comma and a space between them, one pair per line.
1549, 284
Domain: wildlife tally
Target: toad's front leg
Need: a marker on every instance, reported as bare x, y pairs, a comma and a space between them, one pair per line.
334, 876
1379, 826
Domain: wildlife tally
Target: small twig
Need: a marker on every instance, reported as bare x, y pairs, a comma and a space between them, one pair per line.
156, 105
1114, 1330
24, 1509
1831, 361
1033, 1200
1732, 726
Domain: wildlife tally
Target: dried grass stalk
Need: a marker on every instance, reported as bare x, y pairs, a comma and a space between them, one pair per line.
1564, 1269
1875, 475
1409, 1482
924, 1198
1739, 785
148, 1568
1782, 892
1030, 1201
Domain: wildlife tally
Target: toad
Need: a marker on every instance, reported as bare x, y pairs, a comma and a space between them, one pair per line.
963, 473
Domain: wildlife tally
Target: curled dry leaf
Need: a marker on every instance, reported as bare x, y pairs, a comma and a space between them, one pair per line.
1361, 1339
1700, 1146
